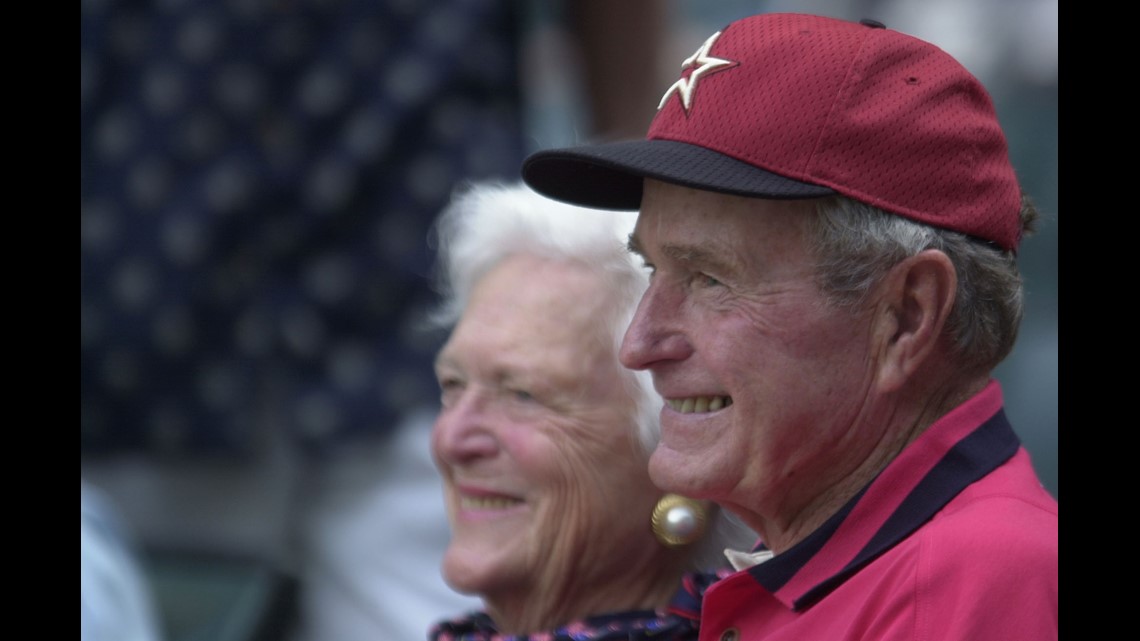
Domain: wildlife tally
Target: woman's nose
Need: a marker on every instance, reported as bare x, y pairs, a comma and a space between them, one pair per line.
463, 432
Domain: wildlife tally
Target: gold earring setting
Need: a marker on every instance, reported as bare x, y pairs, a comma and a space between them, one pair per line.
679, 520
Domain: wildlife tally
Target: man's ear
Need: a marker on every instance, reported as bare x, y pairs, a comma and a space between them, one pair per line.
917, 296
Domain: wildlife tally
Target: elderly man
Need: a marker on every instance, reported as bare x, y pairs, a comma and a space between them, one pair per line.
831, 222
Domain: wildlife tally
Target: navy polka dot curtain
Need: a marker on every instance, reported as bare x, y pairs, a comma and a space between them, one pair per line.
258, 180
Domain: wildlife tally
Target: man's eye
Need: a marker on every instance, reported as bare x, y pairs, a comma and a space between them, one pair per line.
521, 395
704, 280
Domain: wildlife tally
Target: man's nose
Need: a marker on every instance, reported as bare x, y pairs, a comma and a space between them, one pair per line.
655, 333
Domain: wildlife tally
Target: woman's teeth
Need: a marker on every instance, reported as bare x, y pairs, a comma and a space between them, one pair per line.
486, 503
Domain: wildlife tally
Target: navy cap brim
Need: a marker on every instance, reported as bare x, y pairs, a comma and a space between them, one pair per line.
610, 175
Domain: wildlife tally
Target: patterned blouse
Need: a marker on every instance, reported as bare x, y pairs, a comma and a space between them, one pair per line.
679, 621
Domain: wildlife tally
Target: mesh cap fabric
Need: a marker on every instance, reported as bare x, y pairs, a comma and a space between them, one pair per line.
798, 106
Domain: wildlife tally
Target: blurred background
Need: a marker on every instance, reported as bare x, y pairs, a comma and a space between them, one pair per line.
257, 183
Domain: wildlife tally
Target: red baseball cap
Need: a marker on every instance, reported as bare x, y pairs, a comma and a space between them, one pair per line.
798, 106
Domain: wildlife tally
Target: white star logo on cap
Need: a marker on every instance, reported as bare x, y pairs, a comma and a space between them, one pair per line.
708, 64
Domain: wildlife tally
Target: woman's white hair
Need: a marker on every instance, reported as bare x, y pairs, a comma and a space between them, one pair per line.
489, 221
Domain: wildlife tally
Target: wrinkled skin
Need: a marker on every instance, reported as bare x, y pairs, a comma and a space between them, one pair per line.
536, 424
733, 311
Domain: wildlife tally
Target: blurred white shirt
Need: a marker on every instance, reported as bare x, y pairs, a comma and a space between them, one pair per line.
115, 599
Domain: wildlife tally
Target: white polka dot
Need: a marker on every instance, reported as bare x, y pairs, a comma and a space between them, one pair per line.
218, 386
329, 185
115, 134
366, 135
134, 284
302, 332
148, 182
228, 187
199, 38
408, 80
323, 90
329, 279
163, 89
183, 239
444, 27
98, 227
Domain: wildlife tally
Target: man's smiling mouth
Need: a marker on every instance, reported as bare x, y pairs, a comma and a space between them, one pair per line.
699, 404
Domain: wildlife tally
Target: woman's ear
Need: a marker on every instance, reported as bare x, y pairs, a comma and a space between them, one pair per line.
917, 297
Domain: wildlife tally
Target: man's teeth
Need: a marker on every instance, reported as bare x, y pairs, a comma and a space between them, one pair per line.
486, 503
699, 404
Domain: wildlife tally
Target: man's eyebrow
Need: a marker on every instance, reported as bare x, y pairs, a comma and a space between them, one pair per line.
699, 257
685, 254
633, 245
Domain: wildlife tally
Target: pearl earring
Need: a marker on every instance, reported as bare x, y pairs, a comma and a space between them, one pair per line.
678, 520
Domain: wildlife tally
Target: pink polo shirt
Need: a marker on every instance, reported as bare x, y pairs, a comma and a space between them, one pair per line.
955, 539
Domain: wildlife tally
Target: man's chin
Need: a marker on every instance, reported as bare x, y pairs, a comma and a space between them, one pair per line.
672, 471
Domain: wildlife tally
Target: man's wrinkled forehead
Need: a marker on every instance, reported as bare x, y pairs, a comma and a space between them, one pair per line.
699, 225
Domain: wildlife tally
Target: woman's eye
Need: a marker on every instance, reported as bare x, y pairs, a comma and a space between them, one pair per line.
521, 395
449, 390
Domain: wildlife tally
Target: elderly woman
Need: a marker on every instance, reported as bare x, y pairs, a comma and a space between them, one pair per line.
543, 437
